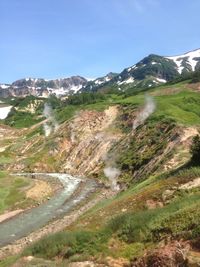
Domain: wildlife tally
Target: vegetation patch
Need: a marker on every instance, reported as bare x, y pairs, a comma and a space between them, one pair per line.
69, 244
12, 195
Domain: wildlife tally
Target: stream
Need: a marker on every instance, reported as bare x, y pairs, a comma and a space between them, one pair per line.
61, 203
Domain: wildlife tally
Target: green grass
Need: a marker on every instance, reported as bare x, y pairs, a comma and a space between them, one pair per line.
9, 261
69, 244
132, 231
134, 199
21, 119
145, 226
182, 107
5, 159
99, 106
37, 131
12, 195
66, 113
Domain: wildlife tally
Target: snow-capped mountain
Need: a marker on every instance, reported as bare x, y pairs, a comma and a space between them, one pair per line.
42, 87
187, 62
151, 71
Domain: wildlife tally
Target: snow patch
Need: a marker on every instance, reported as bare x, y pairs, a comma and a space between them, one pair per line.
132, 68
4, 86
102, 80
76, 88
189, 57
155, 63
107, 79
127, 81
130, 80
62, 91
161, 80
98, 82
4, 112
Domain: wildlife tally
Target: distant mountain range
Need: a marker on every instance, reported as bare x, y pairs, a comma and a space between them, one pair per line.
151, 71
42, 87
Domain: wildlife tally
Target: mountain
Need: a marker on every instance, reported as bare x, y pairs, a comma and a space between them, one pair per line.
151, 71
95, 84
42, 87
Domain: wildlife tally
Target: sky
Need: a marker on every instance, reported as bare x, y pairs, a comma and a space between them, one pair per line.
60, 38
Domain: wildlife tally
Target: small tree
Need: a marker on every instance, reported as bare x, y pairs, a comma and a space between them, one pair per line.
195, 149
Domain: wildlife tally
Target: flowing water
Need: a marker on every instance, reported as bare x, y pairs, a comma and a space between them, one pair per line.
33, 219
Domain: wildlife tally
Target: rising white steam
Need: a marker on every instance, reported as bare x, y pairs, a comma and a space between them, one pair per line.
112, 174
148, 109
72, 133
51, 125
47, 129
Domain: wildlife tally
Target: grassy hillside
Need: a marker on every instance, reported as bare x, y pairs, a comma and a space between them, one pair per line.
177, 101
159, 203
132, 227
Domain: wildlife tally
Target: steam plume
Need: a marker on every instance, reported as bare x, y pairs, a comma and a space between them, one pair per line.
148, 109
51, 125
112, 174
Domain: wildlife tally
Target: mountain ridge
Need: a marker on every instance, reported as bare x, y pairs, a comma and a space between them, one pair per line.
151, 71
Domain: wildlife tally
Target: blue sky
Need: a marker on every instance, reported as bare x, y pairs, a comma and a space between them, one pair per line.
60, 38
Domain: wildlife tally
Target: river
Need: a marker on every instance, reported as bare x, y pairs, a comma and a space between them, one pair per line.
61, 203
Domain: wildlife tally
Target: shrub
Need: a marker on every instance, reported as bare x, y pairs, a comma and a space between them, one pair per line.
85, 98
195, 149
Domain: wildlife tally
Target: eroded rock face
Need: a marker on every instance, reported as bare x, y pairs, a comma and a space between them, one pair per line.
89, 141
180, 157
77, 147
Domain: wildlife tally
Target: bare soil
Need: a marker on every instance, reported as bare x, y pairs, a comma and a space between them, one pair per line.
9, 215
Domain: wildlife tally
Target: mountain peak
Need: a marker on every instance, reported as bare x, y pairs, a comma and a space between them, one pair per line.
151, 71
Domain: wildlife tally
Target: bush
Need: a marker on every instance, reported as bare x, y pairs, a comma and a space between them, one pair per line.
85, 98
132, 227
195, 150
196, 77
149, 142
